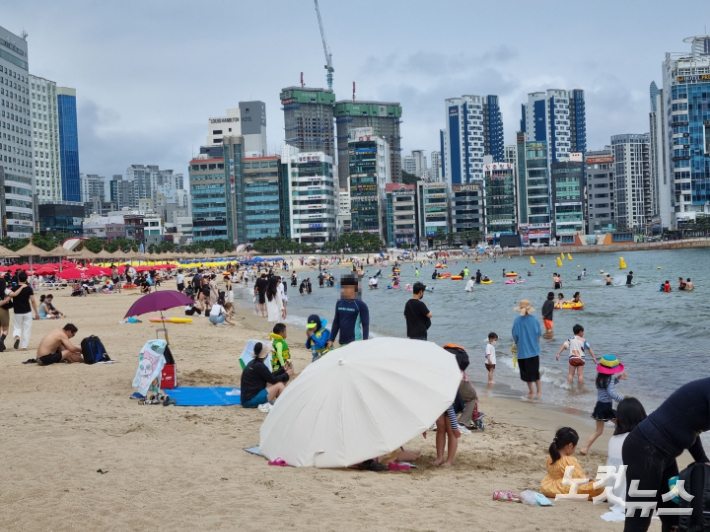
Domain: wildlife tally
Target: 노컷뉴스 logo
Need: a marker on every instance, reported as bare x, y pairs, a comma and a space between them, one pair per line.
607, 474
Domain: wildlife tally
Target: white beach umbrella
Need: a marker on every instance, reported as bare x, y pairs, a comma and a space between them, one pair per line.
359, 402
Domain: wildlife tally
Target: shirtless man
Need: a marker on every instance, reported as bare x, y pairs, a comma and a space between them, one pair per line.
56, 347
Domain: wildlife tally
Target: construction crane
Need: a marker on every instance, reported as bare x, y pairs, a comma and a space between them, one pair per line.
326, 50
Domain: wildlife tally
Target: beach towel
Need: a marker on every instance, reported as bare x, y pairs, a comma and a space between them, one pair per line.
150, 365
211, 396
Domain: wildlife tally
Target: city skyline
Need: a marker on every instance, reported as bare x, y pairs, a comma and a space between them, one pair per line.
139, 100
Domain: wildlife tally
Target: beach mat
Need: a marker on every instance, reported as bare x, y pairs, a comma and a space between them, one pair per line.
193, 396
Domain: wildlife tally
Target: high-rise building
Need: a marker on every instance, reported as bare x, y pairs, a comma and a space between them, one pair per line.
501, 204
632, 172
369, 172
685, 130
234, 188
308, 119
68, 143
435, 171
92, 186
401, 215
409, 165
474, 128
420, 164
383, 117
262, 205
148, 178
567, 186
600, 191
344, 215
660, 176
16, 161
123, 192
467, 210
309, 195
556, 117
534, 191
249, 121
208, 191
433, 212
45, 139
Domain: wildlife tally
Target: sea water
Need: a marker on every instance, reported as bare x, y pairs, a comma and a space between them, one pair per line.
661, 338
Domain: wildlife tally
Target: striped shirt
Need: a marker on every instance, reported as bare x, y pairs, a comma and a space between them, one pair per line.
605, 395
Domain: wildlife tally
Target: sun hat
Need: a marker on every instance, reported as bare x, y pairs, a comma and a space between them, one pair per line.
609, 365
524, 304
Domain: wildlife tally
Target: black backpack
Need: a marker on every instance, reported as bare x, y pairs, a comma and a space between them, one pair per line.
461, 355
93, 350
697, 483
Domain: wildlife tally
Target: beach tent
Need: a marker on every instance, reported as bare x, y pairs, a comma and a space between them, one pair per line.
360, 401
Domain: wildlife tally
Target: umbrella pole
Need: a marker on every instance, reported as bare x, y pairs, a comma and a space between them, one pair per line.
165, 329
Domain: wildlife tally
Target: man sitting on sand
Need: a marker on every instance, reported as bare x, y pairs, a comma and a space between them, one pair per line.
57, 347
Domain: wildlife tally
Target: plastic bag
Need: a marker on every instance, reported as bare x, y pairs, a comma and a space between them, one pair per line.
534, 499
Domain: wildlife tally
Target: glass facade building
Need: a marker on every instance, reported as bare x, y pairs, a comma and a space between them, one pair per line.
535, 204
369, 171
68, 144
61, 217
209, 204
567, 185
500, 213
262, 206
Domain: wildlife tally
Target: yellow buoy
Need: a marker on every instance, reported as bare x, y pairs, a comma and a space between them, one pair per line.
559, 263
659, 267
578, 266
622, 264
569, 257
532, 260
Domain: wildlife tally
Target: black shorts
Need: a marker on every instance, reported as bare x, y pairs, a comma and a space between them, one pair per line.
51, 358
115, 280
529, 369
181, 287
262, 299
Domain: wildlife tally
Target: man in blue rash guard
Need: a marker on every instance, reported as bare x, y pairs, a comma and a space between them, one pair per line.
352, 317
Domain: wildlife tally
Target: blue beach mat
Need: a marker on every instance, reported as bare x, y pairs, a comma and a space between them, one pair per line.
191, 396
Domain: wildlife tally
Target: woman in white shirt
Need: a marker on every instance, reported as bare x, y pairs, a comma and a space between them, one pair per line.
219, 314
274, 304
629, 413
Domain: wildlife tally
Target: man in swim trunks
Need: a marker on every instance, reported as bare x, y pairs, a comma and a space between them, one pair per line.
57, 347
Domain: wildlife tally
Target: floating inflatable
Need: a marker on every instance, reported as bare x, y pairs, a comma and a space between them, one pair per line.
532, 260
171, 320
397, 271
486, 282
510, 282
456, 277
559, 262
478, 260
622, 264
572, 306
511, 274
440, 266
569, 257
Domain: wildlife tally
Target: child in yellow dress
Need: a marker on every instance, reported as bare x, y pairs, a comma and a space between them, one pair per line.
561, 451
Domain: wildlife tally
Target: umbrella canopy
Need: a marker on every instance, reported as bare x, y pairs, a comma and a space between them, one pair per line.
30, 250
103, 254
158, 301
59, 251
118, 254
84, 254
73, 273
7, 253
359, 402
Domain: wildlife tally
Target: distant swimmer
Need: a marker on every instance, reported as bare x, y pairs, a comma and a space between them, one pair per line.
629, 278
479, 276
608, 279
689, 285
469, 284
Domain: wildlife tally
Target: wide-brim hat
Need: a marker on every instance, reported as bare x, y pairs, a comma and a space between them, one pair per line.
524, 304
610, 365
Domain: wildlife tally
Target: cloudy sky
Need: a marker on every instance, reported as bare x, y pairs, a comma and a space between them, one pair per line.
149, 73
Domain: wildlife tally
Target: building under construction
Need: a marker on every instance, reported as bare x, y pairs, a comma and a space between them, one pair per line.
384, 119
308, 119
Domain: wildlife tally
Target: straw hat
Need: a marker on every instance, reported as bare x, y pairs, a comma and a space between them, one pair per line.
610, 365
524, 305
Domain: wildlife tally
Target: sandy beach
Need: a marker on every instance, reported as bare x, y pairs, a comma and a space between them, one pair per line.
180, 468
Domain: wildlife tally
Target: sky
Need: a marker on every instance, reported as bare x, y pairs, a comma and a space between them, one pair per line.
150, 73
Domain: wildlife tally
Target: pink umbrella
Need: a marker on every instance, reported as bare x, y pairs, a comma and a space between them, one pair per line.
158, 302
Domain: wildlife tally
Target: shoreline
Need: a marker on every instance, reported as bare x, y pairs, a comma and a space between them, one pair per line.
188, 466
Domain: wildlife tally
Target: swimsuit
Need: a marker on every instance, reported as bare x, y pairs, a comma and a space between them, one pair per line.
51, 358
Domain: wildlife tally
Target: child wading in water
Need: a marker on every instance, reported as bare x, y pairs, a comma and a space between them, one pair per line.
577, 346
603, 411
561, 450
491, 356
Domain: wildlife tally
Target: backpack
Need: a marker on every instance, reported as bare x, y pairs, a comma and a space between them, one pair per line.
697, 483
461, 355
93, 350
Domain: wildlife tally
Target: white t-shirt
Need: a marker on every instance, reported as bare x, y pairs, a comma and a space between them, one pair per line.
373, 280
217, 310
577, 346
469, 285
491, 353
180, 278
